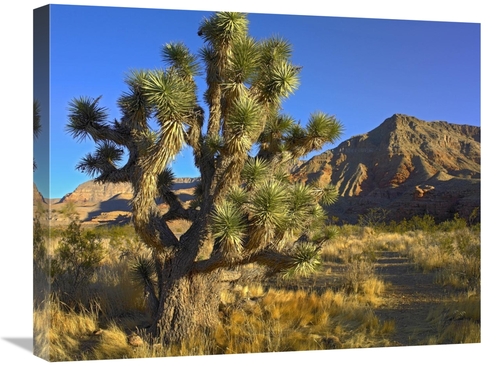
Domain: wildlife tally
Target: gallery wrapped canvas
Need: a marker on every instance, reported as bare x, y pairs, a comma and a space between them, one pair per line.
215, 183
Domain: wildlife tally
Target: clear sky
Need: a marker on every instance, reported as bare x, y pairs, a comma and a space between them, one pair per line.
361, 70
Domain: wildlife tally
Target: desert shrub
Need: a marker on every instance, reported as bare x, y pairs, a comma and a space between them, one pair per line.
373, 218
474, 217
464, 266
40, 262
457, 223
39, 244
76, 258
455, 256
69, 210
357, 273
115, 232
424, 223
348, 230
122, 242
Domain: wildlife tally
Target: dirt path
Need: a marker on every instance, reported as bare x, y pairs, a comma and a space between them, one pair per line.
410, 296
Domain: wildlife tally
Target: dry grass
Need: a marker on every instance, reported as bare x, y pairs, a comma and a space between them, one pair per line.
285, 320
272, 318
454, 256
458, 321
112, 343
58, 330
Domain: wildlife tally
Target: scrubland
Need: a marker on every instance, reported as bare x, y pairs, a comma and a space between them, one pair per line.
398, 284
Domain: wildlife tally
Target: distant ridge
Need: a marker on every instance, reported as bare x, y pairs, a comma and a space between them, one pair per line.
386, 168
93, 192
405, 166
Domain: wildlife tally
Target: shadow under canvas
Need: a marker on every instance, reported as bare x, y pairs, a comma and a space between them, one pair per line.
24, 343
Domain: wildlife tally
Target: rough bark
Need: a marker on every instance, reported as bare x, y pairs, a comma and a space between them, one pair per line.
188, 306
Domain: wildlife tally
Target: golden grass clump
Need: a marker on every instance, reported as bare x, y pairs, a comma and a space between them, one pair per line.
457, 321
286, 320
112, 344
372, 290
58, 330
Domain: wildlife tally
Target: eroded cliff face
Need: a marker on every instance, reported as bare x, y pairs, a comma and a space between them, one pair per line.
386, 167
92, 192
106, 203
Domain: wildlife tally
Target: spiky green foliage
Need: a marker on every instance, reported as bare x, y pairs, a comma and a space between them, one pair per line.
179, 57
242, 67
86, 118
275, 49
143, 271
106, 156
254, 171
301, 205
166, 179
133, 103
171, 96
223, 28
238, 196
321, 128
76, 258
242, 125
306, 260
268, 206
326, 194
37, 126
228, 227
279, 82
277, 127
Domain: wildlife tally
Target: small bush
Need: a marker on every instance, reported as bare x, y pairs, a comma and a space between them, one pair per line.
373, 218
76, 258
358, 273
39, 246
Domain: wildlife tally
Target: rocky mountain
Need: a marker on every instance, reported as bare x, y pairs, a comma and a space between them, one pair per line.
103, 203
91, 192
405, 167
37, 196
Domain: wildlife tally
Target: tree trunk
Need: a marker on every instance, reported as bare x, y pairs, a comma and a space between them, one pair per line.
188, 307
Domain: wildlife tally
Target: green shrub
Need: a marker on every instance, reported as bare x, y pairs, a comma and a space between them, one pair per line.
373, 218
456, 224
76, 258
39, 247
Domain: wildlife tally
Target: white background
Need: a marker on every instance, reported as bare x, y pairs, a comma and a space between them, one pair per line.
16, 180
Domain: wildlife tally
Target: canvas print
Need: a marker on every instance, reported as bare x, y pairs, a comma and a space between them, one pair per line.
213, 183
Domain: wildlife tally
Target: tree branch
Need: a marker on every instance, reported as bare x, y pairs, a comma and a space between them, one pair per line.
176, 210
275, 261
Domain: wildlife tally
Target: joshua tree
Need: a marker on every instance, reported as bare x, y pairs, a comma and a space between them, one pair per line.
248, 210
37, 126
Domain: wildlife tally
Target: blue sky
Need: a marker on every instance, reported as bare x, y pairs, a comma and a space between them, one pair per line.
361, 70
